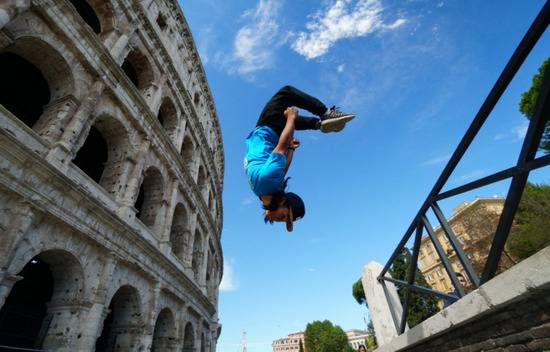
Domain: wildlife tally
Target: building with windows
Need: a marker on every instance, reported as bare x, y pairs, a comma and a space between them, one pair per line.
474, 225
110, 181
357, 338
292, 341
289, 343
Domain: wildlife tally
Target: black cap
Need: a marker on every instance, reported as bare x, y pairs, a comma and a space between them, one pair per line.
297, 209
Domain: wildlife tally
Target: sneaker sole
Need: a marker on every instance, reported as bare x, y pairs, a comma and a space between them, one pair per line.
337, 124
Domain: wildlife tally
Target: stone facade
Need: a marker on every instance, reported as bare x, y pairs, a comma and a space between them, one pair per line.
111, 175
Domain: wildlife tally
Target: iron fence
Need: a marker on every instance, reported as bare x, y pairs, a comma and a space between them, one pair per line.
526, 162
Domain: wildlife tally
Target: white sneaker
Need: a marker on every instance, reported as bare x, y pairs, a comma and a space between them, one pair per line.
335, 120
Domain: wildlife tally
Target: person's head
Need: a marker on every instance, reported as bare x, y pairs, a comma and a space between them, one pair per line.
461, 279
284, 207
362, 348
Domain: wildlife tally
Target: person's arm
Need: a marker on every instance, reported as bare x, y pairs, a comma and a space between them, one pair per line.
290, 152
288, 131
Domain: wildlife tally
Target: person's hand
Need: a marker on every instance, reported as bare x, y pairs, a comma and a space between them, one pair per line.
291, 112
295, 143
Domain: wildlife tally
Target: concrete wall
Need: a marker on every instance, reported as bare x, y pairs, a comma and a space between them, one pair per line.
509, 313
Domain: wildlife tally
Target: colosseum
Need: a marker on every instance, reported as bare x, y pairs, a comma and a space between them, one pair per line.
111, 175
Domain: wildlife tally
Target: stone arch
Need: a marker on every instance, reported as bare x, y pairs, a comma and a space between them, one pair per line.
35, 312
87, 14
168, 117
198, 254
164, 335
150, 196
203, 342
33, 75
103, 153
188, 153
139, 70
98, 14
202, 182
179, 232
123, 323
189, 338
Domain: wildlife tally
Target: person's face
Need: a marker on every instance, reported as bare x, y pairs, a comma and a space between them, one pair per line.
462, 280
362, 349
279, 215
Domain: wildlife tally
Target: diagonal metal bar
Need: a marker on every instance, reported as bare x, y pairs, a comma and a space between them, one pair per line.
499, 176
422, 289
474, 279
528, 152
527, 43
397, 250
443, 257
413, 264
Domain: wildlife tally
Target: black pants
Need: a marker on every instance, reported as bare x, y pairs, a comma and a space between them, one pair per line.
273, 113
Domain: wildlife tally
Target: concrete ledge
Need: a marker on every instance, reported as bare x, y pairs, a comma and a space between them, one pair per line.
526, 279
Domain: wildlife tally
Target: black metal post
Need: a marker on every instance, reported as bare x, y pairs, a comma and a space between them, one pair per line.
474, 279
422, 289
413, 264
528, 152
443, 257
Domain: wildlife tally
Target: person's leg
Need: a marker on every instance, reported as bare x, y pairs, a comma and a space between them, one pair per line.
290, 96
307, 123
273, 113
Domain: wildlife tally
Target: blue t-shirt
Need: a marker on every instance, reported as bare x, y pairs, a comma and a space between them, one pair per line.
264, 168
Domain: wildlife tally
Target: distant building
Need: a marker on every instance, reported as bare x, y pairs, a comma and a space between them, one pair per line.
292, 341
357, 338
289, 343
474, 225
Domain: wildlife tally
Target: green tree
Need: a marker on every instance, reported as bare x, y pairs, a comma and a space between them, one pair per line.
421, 306
301, 347
532, 222
358, 292
529, 99
323, 336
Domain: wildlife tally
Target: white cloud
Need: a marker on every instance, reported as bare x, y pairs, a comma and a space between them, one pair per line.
437, 160
340, 68
521, 130
499, 136
255, 42
342, 19
229, 282
247, 200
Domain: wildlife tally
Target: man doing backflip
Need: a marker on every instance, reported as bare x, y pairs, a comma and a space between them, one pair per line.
270, 146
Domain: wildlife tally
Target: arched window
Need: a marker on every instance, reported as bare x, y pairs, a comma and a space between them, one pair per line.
33, 75
202, 183
196, 262
51, 280
102, 156
168, 117
188, 153
87, 13
179, 232
23, 89
122, 322
151, 195
91, 158
189, 338
138, 69
164, 335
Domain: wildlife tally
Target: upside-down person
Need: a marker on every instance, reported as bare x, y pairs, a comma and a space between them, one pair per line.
271, 145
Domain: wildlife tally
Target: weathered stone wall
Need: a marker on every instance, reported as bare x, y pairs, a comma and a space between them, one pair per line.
139, 245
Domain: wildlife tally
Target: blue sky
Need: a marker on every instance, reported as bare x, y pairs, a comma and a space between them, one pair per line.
415, 72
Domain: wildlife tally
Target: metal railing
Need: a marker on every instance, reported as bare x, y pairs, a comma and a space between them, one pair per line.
519, 174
